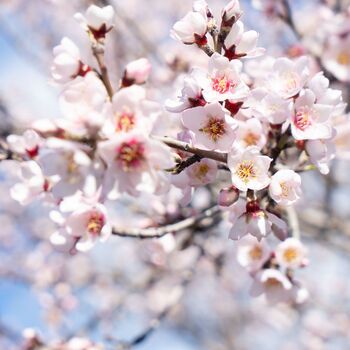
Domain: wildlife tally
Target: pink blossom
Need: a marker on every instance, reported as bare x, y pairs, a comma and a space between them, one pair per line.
228, 196
231, 12
134, 160
222, 81
213, 127
321, 152
249, 169
285, 187
67, 63
250, 133
311, 119
291, 253
28, 144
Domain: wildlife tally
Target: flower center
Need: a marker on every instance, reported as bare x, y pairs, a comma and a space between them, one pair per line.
125, 121
302, 119
222, 85
246, 171
255, 253
285, 189
291, 81
290, 254
95, 223
251, 139
130, 155
201, 171
215, 128
272, 282
343, 58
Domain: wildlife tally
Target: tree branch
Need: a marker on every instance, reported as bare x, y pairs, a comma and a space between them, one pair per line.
157, 232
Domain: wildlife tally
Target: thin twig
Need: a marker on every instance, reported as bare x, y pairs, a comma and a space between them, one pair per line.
157, 232
183, 146
98, 52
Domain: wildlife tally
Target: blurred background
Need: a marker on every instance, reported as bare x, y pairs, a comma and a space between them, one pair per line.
118, 291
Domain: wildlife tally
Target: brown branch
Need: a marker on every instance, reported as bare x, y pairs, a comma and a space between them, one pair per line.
157, 232
182, 165
98, 52
183, 146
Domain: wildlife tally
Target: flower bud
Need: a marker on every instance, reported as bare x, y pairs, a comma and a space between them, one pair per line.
98, 20
136, 72
228, 196
231, 13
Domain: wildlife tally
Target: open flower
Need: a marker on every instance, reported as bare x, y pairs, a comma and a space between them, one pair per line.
82, 220
213, 127
272, 283
134, 160
97, 20
311, 120
222, 80
130, 111
249, 169
285, 187
291, 253
288, 77
250, 133
68, 162
66, 63
240, 44
191, 29
252, 254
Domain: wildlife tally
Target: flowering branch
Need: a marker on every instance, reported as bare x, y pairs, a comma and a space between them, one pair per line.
157, 232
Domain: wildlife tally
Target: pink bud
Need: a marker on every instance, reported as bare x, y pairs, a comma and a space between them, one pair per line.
228, 196
137, 71
231, 12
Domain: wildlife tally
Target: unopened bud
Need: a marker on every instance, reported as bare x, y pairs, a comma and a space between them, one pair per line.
228, 196
231, 13
137, 72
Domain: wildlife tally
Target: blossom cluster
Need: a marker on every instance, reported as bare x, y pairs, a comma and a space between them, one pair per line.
267, 119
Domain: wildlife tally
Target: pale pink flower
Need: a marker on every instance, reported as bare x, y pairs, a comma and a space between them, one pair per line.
252, 254
228, 196
291, 254
83, 104
249, 169
285, 187
134, 160
273, 284
250, 133
33, 184
198, 174
240, 44
130, 111
68, 162
191, 29
213, 127
321, 152
270, 107
222, 80
311, 119
98, 20
83, 219
67, 64
288, 77
319, 85
236, 210
28, 144
336, 57
254, 222
190, 96
137, 72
